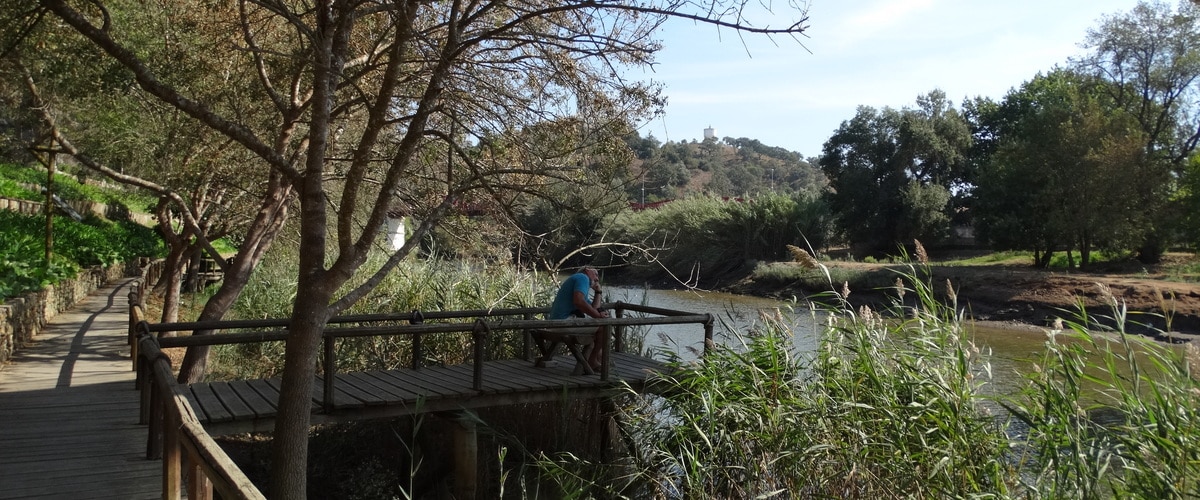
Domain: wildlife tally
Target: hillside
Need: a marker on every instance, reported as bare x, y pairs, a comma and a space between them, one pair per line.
727, 167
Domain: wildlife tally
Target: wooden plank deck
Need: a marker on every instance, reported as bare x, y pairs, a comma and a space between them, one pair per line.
250, 406
68, 410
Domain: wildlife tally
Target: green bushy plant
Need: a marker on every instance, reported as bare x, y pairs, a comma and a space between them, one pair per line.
68, 187
76, 244
1111, 415
889, 408
12, 189
415, 285
708, 236
22, 266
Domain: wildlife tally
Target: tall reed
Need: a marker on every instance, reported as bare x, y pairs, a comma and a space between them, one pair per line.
884, 407
415, 285
1110, 414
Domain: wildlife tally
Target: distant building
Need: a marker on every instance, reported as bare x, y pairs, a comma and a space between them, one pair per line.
710, 133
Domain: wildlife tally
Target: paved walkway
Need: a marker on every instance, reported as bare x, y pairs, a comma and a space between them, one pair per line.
69, 410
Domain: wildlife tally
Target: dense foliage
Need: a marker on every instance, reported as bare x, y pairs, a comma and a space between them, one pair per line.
76, 244
416, 285
1068, 174
890, 408
729, 167
707, 237
892, 172
15, 181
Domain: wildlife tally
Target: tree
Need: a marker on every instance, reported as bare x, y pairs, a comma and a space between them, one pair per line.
1151, 57
1070, 172
873, 159
358, 104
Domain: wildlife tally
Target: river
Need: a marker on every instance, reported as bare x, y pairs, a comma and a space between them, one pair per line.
1012, 349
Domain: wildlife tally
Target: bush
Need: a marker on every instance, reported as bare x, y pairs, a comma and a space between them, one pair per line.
67, 187
12, 189
708, 237
882, 409
415, 285
22, 268
76, 244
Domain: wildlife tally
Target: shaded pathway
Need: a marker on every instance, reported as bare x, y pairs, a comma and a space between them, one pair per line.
68, 409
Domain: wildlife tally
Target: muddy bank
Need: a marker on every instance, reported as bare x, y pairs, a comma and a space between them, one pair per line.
1164, 309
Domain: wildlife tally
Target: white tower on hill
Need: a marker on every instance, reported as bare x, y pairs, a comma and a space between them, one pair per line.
710, 133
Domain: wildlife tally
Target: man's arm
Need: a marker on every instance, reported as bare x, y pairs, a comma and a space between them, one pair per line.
591, 309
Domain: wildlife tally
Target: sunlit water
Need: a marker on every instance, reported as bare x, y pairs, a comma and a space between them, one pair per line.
1012, 350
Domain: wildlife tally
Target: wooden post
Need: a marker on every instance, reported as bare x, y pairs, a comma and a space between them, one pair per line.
153, 410
619, 338
526, 341
330, 373
479, 335
146, 413
466, 457
604, 355
198, 485
172, 449
417, 352
51, 165
608, 428
708, 333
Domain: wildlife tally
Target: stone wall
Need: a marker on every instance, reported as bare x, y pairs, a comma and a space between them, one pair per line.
22, 318
81, 206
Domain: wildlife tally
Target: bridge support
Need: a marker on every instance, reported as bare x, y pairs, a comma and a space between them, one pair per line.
466, 456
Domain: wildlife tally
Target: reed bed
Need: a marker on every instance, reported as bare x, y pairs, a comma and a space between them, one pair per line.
890, 406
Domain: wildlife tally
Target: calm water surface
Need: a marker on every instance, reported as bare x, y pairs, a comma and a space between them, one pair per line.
1011, 349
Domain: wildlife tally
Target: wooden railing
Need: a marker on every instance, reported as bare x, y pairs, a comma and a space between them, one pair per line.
176, 435
174, 428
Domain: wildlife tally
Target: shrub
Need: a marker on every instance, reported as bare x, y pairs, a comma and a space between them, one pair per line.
415, 285
708, 237
76, 245
883, 408
12, 189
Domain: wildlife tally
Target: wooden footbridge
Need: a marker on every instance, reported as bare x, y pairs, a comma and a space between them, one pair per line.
180, 421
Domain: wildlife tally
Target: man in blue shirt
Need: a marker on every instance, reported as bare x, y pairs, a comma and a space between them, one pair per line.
572, 301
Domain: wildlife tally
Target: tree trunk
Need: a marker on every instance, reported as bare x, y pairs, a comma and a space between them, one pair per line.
195, 279
258, 240
172, 273
289, 459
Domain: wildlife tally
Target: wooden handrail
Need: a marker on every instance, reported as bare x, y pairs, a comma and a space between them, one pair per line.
360, 318
175, 431
208, 467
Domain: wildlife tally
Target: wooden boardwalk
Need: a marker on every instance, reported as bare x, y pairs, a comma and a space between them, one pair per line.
69, 410
250, 405
69, 407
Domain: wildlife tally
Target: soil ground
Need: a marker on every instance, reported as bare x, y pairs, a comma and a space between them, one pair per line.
1017, 293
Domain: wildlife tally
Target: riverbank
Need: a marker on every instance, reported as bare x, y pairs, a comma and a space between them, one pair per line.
1159, 304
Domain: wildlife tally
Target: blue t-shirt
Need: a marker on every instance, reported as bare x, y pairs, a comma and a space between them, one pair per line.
564, 301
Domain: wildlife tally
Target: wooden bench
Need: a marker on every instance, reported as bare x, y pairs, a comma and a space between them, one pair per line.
579, 341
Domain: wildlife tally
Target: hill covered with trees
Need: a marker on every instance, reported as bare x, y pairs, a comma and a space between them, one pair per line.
728, 167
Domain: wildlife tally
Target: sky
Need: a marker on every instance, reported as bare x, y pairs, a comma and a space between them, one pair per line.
875, 53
